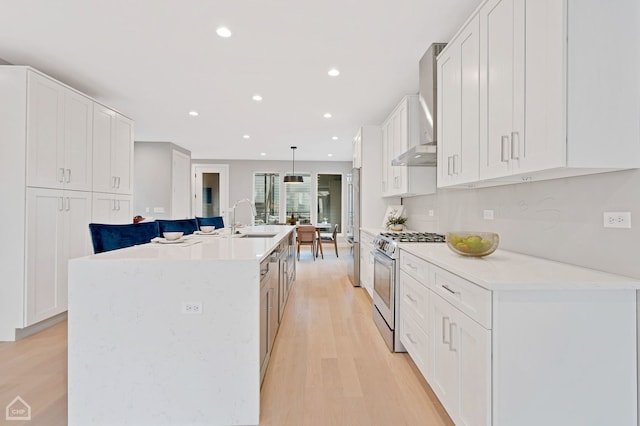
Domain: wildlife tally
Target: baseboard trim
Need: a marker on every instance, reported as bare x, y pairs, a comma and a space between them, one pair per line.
21, 333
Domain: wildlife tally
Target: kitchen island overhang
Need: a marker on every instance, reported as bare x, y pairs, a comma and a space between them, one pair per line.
138, 355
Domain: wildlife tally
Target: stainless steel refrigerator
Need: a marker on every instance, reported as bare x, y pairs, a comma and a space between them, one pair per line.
353, 225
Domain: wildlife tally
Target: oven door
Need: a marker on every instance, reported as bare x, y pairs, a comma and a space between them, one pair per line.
384, 278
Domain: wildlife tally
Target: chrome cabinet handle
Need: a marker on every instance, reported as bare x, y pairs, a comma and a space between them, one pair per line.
118, 183
411, 298
68, 175
452, 333
68, 204
504, 148
409, 265
446, 287
450, 165
456, 164
60, 204
113, 182
61, 175
515, 146
445, 321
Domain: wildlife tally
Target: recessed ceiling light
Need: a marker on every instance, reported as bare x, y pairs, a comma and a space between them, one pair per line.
335, 138
333, 72
327, 115
193, 113
246, 136
223, 32
257, 98
263, 153
329, 155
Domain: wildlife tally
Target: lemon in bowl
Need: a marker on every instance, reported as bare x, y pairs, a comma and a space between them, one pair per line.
473, 243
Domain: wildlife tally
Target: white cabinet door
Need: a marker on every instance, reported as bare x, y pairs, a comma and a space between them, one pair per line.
458, 99
112, 151
59, 144
472, 344
501, 87
112, 208
78, 152
103, 180
122, 154
45, 246
462, 364
445, 369
57, 230
45, 132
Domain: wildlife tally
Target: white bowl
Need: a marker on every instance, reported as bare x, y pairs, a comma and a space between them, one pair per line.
172, 236
207, 229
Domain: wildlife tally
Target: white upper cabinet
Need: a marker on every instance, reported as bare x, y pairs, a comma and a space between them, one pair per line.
549, 106
459, 106
400, 131
113, 152
59, 142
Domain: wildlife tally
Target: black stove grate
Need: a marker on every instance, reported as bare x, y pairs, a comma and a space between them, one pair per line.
415, 237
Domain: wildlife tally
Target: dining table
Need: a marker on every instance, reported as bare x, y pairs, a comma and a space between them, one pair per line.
322, 226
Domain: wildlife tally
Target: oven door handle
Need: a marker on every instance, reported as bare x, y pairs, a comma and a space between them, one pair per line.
382, 258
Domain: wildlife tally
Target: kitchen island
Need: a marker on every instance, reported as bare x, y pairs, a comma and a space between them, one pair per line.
169, 333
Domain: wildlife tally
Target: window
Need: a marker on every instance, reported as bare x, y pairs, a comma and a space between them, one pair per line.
298, 199
267, 198
330, 199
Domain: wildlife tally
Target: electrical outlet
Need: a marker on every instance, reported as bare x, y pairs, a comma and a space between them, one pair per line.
431, 213
617, 219
487, 214
191, 307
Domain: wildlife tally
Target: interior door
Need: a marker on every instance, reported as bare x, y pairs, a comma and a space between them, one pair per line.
210, 190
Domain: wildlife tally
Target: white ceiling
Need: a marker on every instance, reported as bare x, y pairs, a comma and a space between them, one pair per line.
155, 60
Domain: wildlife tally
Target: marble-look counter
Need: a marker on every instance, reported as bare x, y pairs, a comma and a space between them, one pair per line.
136, 357
505, 270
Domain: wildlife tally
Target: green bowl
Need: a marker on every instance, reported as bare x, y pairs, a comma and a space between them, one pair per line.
472, 243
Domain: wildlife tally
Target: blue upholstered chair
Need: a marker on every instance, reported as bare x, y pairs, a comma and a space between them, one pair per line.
210, 221
188, 226
112, 237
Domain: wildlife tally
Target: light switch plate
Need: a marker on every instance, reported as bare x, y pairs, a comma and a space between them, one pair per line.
487, 214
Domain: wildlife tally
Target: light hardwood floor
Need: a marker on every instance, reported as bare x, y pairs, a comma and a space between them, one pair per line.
329, 364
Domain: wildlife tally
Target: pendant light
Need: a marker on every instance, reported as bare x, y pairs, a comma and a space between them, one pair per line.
292, 178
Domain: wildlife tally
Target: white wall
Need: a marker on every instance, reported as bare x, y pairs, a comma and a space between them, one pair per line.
241, 178
152, 174
556, 219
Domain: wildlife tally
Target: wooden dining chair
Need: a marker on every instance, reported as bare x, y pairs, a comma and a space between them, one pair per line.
307, 236
331, 237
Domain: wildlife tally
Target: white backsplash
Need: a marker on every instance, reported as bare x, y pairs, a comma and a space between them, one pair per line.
558, 219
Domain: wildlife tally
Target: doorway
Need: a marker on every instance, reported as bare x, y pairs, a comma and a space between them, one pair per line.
211, 190
330, 200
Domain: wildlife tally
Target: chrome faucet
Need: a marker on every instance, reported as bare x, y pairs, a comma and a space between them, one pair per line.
233, 213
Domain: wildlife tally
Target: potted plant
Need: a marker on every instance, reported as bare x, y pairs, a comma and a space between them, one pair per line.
396, 222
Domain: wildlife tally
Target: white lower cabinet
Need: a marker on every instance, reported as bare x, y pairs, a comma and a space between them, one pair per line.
57, 230
559, 352
112, 208
461, 364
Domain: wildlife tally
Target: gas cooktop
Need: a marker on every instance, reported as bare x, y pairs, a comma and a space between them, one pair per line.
387, 242
414, 237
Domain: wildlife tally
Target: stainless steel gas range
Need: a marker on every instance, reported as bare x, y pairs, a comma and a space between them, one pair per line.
386, 273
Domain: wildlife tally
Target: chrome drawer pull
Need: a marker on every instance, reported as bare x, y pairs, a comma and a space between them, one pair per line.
448, 289
411, 298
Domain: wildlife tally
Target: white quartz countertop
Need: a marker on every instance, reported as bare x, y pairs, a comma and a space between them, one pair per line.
207, 247
505, 270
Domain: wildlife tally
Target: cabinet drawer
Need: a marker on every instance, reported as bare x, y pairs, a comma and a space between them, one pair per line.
414, 266
471, 299
417, 343
414, 300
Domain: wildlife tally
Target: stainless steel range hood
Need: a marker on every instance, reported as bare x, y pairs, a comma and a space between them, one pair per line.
425, 153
